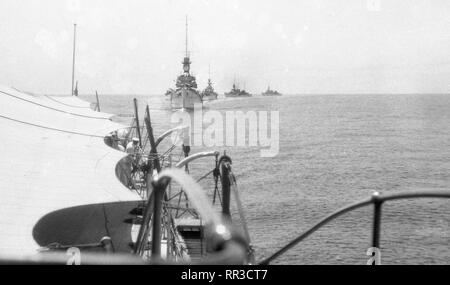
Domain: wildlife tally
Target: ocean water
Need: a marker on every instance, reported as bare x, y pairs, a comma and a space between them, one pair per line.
335, 150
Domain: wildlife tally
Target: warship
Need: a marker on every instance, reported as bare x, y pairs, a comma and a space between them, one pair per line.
69, 189
236, 92
209, 93
119, 200
270, 92
109, 205
186, 95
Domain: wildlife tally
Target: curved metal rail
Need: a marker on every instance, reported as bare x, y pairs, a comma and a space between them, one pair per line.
227, 243
169, 132
377, 200
220, 232
193, 157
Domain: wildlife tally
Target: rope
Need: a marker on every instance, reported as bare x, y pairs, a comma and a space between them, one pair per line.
54, 109
53, 99
169, 150
239, 205
204, 176
52, 129
216, 173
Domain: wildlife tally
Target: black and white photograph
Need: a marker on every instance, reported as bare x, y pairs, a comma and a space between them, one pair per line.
240, 133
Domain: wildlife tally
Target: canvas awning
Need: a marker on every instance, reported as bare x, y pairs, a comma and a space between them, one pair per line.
54, 157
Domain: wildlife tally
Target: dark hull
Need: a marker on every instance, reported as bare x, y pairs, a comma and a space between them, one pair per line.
271, 94
237, 95
185, 99
209, 96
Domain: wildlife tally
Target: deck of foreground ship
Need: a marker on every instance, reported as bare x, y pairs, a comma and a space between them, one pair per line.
54, 157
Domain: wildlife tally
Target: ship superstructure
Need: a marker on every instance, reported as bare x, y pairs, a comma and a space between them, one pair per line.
270, 92
236, 92
186, 95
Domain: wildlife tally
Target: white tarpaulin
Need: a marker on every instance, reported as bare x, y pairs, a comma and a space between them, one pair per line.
53, 157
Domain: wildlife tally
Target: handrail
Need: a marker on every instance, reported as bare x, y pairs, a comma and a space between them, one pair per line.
376, 199
167, 133
196, 156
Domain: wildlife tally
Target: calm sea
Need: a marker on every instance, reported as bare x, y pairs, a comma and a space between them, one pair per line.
334, 150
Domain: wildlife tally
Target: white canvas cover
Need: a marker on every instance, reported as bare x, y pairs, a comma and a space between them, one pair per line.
53, 156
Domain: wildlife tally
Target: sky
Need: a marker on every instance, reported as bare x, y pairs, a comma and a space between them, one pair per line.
136, 46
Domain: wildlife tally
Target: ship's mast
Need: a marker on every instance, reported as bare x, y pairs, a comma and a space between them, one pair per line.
186, 61
187, 55
73, 58
209, 75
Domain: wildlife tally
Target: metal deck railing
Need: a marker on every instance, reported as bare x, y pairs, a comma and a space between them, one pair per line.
376, 200
233, 247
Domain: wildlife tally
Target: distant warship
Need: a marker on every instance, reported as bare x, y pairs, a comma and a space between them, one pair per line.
236, 92
209, 93
185, 95
270, 92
